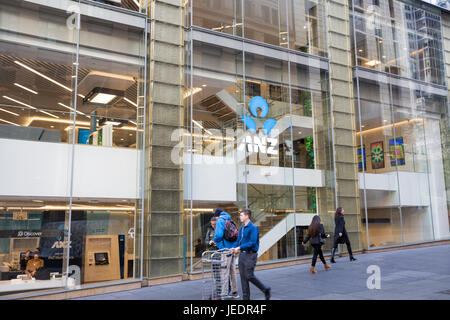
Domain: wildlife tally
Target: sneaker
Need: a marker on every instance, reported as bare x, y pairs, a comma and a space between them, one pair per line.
234, 295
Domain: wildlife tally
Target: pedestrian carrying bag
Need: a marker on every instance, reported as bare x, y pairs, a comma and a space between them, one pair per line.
231, 231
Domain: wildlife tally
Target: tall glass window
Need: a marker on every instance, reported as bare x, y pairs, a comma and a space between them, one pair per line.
295, 24
257, 123
399, 154
400, 39
72, 93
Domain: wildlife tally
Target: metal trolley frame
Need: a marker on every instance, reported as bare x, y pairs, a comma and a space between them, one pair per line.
213, 265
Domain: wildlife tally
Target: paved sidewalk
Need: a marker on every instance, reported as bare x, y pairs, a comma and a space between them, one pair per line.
415, 273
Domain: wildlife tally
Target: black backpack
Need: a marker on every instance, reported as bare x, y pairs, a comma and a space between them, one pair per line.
231, 232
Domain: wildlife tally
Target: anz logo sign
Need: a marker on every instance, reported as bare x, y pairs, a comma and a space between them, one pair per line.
263, 142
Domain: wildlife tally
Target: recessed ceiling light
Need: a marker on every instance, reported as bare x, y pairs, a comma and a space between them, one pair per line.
203, 85
17, 101
31, 107
52, 127
129, 101
114, 123
13, 113
9, 122
103, 98
102, 95
121, 139
42, 75
48, 113
131, 134
79, 112
372, 63
25, 88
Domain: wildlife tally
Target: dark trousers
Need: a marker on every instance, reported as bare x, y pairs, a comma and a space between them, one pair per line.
317, 252
247, 262
347, 242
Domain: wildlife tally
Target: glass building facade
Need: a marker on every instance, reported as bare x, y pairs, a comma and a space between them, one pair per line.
124, 124
402, 110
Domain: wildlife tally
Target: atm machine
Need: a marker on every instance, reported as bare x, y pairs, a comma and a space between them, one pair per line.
101, 261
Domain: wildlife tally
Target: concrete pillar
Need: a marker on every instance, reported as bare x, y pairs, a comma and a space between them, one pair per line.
163, 224
445, 123
343, 117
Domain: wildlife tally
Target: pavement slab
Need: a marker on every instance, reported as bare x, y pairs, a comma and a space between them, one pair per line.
406, 274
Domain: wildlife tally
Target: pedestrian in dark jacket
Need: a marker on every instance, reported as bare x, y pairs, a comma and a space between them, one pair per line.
209, 239
340, 234
317, 235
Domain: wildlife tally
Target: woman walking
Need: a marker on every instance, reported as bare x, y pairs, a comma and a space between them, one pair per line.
340, 234
317, 235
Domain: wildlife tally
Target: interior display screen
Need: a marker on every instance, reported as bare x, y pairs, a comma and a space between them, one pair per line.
101, 258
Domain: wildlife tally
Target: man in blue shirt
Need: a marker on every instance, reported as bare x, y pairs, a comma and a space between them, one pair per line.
248, 242
228, 273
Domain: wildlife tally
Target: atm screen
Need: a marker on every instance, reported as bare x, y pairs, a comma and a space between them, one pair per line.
101, 258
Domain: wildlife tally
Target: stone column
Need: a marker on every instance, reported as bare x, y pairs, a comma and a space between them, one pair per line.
343, 117
445, 123
163, 224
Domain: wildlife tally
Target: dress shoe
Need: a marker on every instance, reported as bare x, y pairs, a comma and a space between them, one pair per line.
267, 293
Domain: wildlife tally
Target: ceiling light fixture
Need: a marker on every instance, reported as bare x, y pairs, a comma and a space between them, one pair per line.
9, 112
9, 122
187, 93
31, 107
79, 112
25, 88
102, 95
114, 123
372, 63
131, 102
48, 113
42, 75
17, 101
85, 123
199, 125
103, 98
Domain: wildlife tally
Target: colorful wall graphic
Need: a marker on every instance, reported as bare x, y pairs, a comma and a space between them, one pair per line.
361, 158
377, 155
396, 147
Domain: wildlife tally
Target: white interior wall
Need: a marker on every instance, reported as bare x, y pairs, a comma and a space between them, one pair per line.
41, 169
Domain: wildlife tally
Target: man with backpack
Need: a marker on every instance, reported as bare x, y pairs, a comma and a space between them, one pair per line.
225, 238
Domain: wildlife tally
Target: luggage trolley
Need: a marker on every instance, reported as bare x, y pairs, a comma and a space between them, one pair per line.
213, 265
